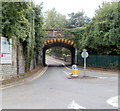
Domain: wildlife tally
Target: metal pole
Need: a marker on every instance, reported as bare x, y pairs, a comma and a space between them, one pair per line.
76, 56
84, 66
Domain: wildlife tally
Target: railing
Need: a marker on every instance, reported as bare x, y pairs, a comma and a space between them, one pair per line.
101, 61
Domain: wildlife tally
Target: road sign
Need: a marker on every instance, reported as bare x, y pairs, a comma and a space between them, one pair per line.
84, 55
6, 51
1, 55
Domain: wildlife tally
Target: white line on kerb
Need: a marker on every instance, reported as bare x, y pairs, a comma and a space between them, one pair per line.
74, 105
113, 101
107, 77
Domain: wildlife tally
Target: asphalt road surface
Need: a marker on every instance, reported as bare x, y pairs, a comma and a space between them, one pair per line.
53, 90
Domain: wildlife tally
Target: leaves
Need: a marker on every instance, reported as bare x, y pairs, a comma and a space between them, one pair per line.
24, 21
54, 20
102, 34
78, 19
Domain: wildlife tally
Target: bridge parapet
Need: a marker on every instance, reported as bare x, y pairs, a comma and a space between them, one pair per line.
55, 33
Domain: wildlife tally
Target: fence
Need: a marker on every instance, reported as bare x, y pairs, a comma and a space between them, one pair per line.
101, 61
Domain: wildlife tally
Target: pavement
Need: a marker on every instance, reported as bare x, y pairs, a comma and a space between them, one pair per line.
51, 89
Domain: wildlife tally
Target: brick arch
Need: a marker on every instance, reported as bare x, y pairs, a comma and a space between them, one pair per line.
59, 43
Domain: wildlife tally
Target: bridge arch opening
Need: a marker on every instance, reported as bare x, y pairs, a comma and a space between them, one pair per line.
58, 43
62, 55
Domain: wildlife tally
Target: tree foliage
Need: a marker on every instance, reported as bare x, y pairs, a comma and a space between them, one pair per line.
24, 21
102, 34
54, 20
78, 19
14, 22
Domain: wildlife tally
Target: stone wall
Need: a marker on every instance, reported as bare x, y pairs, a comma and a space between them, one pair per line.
8, 70
18, 62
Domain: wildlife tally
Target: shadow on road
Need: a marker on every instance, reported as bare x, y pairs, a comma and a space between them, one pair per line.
58, 65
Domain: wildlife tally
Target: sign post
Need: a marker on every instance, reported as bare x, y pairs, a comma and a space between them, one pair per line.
76, 56
84, 55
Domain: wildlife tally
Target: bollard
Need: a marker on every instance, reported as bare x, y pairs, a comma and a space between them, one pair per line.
74, 71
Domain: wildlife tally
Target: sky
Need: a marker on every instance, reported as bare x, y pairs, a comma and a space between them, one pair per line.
68, 6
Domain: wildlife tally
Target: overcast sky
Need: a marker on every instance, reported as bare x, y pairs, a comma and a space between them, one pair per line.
69, 6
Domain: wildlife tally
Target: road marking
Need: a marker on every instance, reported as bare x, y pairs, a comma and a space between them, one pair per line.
101, 72
87, 69
66, 73
18, 84
74, 105
67, 67
11, 86
103, 77
107, 77
56, 61
62, 64
39, 75
71, 69
113, 101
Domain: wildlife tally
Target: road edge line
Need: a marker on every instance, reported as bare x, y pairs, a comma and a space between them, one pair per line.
62, 64
66, 73
30, 80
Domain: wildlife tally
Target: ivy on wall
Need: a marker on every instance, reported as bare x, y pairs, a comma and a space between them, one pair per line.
24, 21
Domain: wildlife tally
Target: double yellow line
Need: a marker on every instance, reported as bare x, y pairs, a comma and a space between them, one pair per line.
27, 81
34, 78
63, 65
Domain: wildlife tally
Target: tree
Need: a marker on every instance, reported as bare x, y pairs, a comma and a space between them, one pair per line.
14, 22
39, 34
106, 28
24, 21
100, 35
54, 20
78, 19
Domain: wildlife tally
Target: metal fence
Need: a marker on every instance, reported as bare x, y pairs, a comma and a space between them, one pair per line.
101, 61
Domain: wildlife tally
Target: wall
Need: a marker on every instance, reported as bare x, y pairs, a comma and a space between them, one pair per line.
8, 70
18, 64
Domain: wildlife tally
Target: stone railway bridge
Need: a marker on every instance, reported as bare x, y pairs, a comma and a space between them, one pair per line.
55, 38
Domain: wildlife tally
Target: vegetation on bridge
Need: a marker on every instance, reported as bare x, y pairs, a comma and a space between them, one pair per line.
99, 35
